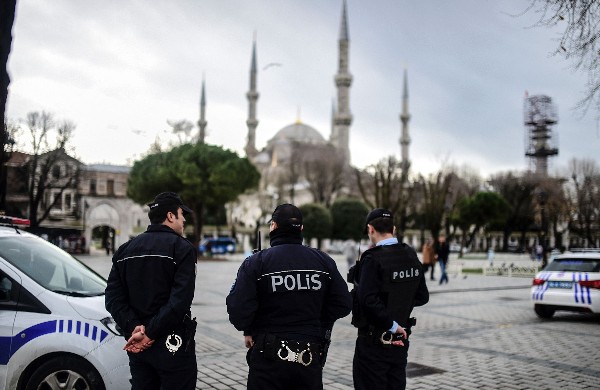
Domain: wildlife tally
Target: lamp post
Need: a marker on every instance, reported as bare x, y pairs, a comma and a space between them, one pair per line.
542, 199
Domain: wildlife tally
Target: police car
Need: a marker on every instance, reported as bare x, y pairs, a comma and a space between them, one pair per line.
217, 245
54, 330
570, 282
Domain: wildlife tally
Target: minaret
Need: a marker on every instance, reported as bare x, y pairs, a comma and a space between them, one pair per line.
252, 96
202, 121
332, 115
405, 138
340, 136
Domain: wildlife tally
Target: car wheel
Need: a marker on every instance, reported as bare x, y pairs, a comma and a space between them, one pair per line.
543, 311
65, 372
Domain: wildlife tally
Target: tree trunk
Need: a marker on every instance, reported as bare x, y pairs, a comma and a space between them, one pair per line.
7, 18
198, 222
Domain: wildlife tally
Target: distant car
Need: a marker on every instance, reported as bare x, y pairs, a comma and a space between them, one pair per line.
570, 282
54, 330
335, 247
217, 245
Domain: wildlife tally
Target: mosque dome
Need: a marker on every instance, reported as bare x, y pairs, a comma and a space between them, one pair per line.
298, 132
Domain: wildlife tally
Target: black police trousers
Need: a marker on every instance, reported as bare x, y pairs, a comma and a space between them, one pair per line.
157, 368
376, 366
275, 374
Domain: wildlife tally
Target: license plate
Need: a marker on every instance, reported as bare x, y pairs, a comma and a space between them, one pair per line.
554, 284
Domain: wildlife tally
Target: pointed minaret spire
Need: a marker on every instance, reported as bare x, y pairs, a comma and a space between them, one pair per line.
344, 24
252, 96
405, 118
202, 121
340, 134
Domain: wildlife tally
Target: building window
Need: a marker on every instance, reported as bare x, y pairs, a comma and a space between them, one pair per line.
59, 204
68, 202
93, 186
110, 187
56, 171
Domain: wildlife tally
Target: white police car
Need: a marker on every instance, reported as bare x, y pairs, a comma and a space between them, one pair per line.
54, 330
570, 282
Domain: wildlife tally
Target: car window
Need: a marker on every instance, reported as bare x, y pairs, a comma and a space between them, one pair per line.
574, 264
50, 266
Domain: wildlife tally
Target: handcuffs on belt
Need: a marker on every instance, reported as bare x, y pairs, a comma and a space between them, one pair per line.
385, 340
173, 342
296, 357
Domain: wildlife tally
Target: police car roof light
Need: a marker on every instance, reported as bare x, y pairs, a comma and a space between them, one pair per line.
13, 221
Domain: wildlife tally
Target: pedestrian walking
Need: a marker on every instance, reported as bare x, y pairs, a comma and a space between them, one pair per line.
428, 256
442, 254
350, 250
388, 282
286, 299
149, 293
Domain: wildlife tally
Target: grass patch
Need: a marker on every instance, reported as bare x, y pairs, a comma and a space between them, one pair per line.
476, 271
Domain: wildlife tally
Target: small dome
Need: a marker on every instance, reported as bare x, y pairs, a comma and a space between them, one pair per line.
299, 132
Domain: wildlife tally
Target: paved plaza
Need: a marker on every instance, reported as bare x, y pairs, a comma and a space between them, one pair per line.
477, 332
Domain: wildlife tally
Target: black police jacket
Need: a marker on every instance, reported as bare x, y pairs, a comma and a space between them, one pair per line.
290, 290
389, 282
152, 282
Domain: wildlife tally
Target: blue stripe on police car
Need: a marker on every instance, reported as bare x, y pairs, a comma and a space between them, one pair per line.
10, 345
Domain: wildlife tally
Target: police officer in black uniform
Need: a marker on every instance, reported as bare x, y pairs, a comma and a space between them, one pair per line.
389, 282
149, 293
285, 299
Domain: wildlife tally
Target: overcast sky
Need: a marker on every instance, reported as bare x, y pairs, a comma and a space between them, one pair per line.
120, 69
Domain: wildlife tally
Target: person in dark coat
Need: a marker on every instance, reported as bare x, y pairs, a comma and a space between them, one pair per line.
442, 254
286, 299
389, 281
149, 294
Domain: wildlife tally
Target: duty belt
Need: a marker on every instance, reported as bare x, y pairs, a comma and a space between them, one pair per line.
296, 355
301, 352
382, 337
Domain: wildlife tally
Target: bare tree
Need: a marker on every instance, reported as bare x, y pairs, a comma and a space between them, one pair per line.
434, 195
324, 172
580, 22
518, 191
387, 185
380, 185
584, 197
50, 170
182, 129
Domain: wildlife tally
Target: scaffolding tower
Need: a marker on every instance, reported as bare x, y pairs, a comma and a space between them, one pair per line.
540, 117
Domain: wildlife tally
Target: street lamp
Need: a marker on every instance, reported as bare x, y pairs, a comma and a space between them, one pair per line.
542, 199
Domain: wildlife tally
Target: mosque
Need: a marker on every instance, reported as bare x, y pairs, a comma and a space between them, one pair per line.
298, 149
